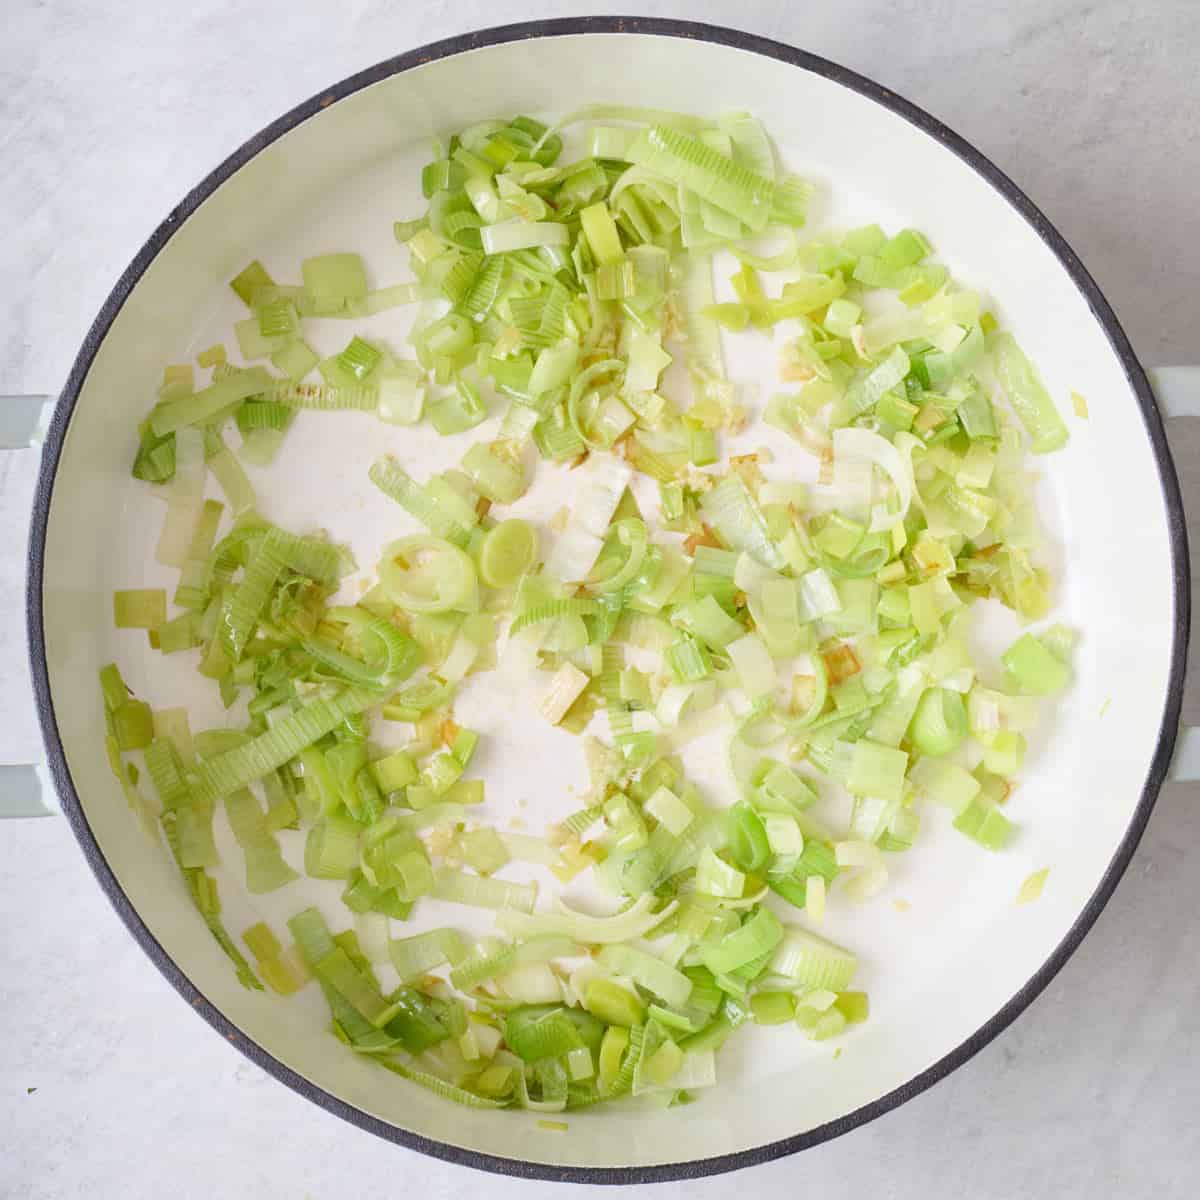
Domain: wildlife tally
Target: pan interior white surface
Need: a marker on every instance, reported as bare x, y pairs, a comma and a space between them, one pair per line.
962, 948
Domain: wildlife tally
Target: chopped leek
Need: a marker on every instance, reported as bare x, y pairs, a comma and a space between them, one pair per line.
1031, 888
1028, 395
939, 724
140, 609
820, 625
1035, 668
508, 551
811, 961
613, 1004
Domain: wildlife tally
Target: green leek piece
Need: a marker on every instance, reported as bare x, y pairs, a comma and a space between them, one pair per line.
782, 789
690, 163
854, 1006
1004, 752
507, 552
688, 660
415, 1021
945, 783
813, 962
333, 281
437, 510
250, 281
203, 890
735, 516
461, 888
499, 477
538, 1032
748, 843
416, 956
484, 851
877, 770
1036, 670
144, 608
277, 746
757, 937
985, 824
394, 771
359, 359
331, 850
715, 877
773, 1008
295, 359
601, 233
939, 725
266, 870
207, 404
613, 1004
132, 724
338, 972
1028, 395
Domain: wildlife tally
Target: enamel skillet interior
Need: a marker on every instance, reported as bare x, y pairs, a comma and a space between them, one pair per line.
962, 961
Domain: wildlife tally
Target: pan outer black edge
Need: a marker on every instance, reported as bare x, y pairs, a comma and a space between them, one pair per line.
1100, 308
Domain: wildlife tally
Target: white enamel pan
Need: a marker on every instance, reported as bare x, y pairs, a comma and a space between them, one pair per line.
951, 964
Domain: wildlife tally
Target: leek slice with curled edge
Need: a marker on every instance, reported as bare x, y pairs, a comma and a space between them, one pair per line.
391, 656
759, 936
428, 575
507, 552
636, 921
939, 724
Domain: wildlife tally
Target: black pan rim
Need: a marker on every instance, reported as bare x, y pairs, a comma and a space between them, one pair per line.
1101, 310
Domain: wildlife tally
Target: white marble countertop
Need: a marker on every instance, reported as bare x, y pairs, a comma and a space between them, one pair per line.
109, 112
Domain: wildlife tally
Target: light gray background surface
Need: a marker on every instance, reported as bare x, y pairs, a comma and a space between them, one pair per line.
109, 113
